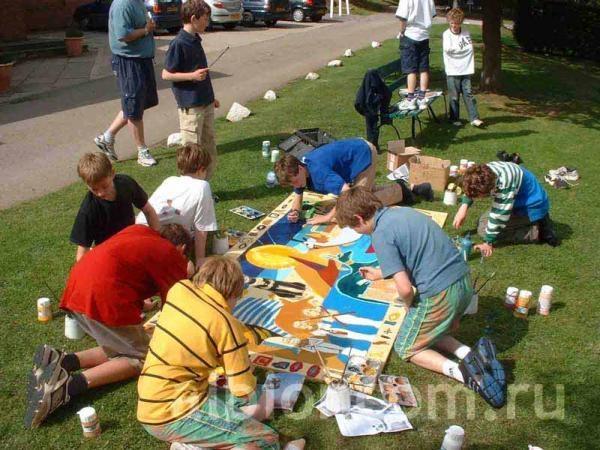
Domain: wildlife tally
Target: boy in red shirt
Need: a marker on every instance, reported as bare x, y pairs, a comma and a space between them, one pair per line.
105, 293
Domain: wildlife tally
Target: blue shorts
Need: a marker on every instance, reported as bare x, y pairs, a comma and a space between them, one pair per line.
135, 77
414, 55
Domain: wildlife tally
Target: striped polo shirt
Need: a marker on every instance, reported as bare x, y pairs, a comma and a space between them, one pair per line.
195, 334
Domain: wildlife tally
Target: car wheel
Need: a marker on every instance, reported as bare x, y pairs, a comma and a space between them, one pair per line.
230, 26
270, 23
316, 18
298, 15
248, 18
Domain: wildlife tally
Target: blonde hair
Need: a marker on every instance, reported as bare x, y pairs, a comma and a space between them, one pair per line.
357, 201
191, 158
222, 273
455, 15
93, 167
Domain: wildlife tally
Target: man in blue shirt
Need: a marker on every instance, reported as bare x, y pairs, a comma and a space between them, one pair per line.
187, 68
333, 168
433, 283
130, 35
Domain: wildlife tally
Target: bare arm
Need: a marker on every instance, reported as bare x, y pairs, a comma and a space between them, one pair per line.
296, 209
196, 75
404, 287
139, 33
81, 250
200, 246
402, 26
151, 216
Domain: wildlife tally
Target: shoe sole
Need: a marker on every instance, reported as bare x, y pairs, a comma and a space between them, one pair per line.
146, 164
490, 389
38, 400
487, 351
102, 146
41, 359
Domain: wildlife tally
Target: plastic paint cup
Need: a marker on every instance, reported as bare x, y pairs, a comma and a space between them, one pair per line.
271, 179
473, 306
545, 300
450, 198
454, 438
44, 309
453, 171
72, 328
510, 298
337, 398
274, 155
523, 304
463, 165
89, 422
220, 245
470, 164
266, 148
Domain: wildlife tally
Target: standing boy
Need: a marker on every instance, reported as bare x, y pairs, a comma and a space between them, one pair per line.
520, 206
333, 168
108, 206
433, 282
187, 199
415, 21
459, 64
197, 333
187, 68
105, 294
131, 39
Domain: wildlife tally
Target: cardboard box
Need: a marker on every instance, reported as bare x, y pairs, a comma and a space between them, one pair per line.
427, 169
398, 154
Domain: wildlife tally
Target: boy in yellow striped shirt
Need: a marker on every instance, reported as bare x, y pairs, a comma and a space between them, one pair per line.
195, 334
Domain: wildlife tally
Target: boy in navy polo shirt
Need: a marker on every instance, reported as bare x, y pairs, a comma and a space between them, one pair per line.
334, 168
187, 68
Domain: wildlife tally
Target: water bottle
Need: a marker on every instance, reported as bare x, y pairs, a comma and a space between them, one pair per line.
271, 179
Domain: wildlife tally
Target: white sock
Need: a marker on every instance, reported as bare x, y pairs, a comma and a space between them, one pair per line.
451, 370
108, 136
462, 351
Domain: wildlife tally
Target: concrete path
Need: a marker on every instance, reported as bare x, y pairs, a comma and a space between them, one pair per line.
42, 139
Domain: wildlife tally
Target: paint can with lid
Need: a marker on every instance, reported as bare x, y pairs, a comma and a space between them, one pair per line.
523, 304
266, 149
44, 309
89, 422
510, 298
545, 300
72, 328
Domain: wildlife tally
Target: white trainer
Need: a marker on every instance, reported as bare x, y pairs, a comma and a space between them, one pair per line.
408, 104
423, 103
145, 158
107, 147
477, 123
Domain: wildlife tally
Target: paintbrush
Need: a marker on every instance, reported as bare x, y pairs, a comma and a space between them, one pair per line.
51, 291
326, 316
218, 57
486, 282
323, 363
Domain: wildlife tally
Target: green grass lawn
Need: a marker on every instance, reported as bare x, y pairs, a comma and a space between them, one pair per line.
550, 113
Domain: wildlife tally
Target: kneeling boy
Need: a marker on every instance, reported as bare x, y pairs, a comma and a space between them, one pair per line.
334, 168
105, 294
195, 334
414, 251
520, 206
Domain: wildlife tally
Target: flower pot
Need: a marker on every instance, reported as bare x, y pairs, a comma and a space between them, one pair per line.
74, 46
5, 76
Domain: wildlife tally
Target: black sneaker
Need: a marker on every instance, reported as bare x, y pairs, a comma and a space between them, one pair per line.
486, 350
107, 147
48, 396
44, 355
482, 381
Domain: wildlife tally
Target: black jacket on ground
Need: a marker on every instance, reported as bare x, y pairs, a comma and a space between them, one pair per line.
373, 101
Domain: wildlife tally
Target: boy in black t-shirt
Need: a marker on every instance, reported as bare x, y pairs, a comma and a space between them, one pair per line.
107, 207
186, 66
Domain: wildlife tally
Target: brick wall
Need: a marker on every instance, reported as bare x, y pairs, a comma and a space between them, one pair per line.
22, 16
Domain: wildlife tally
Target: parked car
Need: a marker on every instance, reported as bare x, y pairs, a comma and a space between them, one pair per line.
267, 11
225, 12
301, 9
94, 15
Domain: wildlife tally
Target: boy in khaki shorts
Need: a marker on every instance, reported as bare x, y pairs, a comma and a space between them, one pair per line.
186, 66
105, 294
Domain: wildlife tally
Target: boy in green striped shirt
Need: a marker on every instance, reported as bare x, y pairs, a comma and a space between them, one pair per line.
520, 205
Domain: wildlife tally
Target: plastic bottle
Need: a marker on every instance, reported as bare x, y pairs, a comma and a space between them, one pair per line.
454, 438
466, 246
271, 179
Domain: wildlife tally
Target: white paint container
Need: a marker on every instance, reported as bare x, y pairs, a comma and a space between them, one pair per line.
266, 149
545, 300
454, 438
72, 328
220, 245
274, 155
450, 198
89, 422
463, 165
473, 306
470, 164
510, 298
453, 171
44, 309
337, 398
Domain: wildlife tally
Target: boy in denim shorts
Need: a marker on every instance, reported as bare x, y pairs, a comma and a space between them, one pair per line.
186, 66
415, 21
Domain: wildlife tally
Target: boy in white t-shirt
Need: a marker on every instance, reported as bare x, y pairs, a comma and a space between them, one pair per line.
459, 63
187, 199
415, 21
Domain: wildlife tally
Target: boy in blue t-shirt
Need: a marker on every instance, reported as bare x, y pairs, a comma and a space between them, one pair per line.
433, 283
333, 168
186, 66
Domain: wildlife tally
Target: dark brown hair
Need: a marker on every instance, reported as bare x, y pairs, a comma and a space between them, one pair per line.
357, 201
93, 167
286, 168
222, 273
191, 158
478, 181
196, 8
177, 235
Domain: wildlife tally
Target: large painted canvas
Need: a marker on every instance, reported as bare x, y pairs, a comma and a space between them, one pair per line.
304, 285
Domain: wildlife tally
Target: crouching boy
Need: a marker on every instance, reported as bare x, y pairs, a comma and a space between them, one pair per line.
195, 334
434, 284
105, 294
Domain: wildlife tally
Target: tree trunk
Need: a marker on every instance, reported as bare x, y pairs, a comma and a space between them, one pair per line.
492, 46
